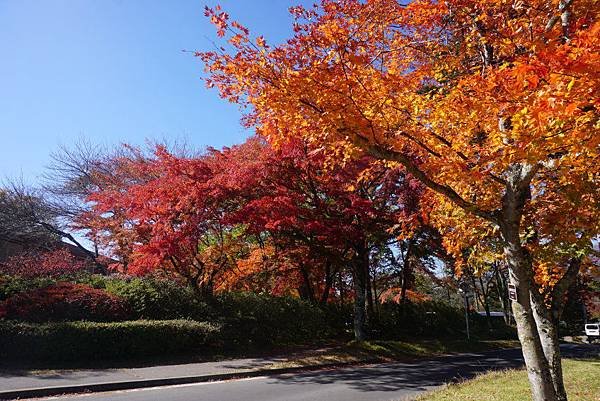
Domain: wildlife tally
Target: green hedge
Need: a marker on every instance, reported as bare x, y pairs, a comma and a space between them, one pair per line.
77, 341
12, 285
249, 319
434, 320
153, 298
428, 319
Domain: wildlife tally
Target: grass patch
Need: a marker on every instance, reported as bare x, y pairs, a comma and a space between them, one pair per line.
386, 351
394, 349
582, 380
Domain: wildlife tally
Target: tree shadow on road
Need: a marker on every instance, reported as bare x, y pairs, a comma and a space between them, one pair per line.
425, 374
412, 376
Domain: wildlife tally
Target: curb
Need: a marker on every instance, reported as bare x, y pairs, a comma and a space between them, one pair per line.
170, 381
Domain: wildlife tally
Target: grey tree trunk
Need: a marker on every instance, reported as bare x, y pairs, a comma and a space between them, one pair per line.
360, 272
329, 276
370, 300
482, 296
406, 273
538, 369
547, 312
548, 332
521, 275
502, 291
360, 313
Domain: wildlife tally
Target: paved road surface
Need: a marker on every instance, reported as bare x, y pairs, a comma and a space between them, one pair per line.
380, 382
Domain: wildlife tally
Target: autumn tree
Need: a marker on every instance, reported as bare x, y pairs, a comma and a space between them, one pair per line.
35, 263
81, 179
318, 223
419, 252
492, 105
160, 211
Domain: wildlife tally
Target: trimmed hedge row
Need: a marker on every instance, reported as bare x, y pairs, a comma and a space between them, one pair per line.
153, 298
434, 320
239, 320
247, 319
257, 320
428, 319
77, 341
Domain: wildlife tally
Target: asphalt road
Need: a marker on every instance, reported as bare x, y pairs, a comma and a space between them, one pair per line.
379, 382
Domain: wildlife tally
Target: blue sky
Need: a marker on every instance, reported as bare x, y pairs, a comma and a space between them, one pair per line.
112, 71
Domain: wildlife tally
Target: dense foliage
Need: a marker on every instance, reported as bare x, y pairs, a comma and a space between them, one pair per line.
491, 105
403, 152
153, 298
64, 301
253, 320
44, 263
11, 285
434, 319
77, 341
238, 320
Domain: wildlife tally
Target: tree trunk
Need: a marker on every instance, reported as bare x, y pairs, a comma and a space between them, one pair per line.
328, 284
548, 332
406, 272
375, 297
538, 370
207, 290
547, 318
488, 316
404, 283
342, 288
521, 276
360, 313
502, 294
486, 303
370, 306
360, 271
306, 291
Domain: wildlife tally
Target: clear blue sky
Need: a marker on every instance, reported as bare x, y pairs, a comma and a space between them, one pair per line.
112, 71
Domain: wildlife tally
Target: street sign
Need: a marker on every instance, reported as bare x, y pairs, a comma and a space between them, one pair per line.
512, 292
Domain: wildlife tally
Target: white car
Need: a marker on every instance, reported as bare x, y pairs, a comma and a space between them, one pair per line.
592, 331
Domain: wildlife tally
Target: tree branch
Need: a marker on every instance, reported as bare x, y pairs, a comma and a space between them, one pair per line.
563, 284
413, 169
562, 8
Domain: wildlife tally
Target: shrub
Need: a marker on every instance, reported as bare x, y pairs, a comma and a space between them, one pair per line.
64, 301
339, 319
428, 319
77, 341
261, 320
11, 285
152, 298
499, 330
433, 319
52, 263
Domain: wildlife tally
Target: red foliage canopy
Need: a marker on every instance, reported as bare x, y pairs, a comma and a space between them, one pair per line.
207, 217
52, 263
64, 301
